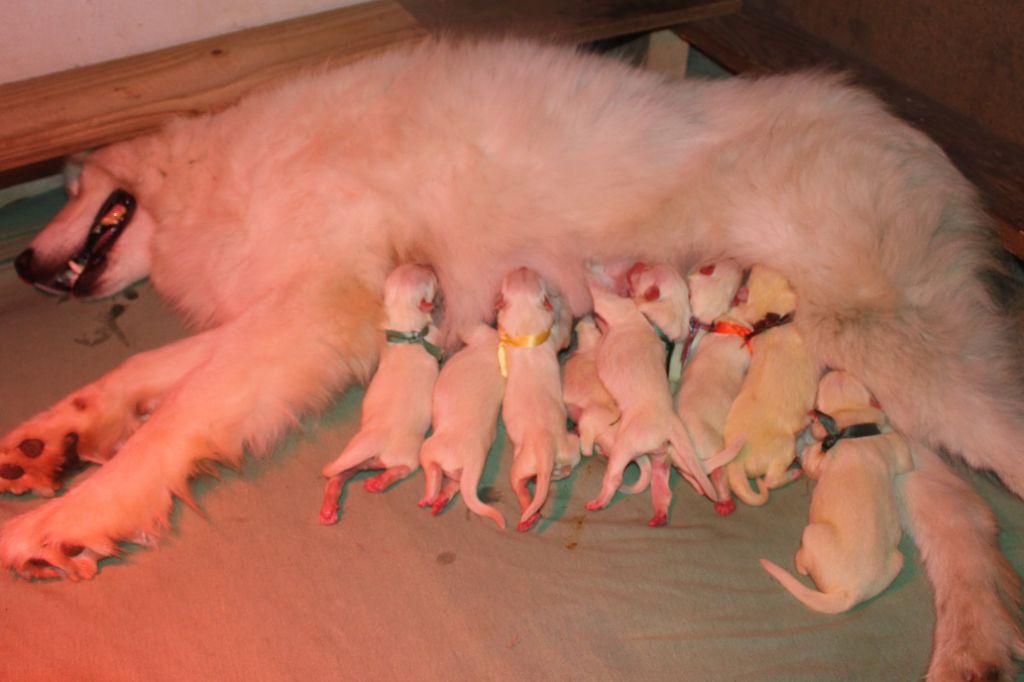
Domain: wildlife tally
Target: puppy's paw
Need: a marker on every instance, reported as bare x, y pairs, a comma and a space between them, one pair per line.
83, 426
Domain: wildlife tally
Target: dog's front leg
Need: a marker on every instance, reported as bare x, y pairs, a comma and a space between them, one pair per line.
977, 593
261, 375
93, 421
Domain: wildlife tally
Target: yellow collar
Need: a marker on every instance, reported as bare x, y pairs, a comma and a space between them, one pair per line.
524, 341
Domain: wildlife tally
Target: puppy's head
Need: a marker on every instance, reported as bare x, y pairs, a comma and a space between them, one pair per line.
662, 296
97, 245
525, 305
768, 291
587, 333
847, 400
712, 289
410, 294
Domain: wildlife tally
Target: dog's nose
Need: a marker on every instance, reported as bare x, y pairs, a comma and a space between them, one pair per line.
23, 266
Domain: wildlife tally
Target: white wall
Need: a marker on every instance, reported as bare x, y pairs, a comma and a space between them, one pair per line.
45, 36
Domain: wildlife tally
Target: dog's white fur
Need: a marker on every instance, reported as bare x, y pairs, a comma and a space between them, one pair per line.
714, 370
777, 392
532, 408
273, 224
631, 364
849, 547
465, 406
397, 405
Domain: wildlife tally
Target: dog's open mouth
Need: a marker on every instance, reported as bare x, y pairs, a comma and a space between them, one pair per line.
85, 266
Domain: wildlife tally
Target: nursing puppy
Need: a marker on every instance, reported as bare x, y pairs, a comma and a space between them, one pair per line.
715, 366
777, 392
533, 325
396, 407
849, 547
883, 240
587, 400
466, 402
631, 364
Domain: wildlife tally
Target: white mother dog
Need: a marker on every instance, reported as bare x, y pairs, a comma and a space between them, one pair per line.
272, 225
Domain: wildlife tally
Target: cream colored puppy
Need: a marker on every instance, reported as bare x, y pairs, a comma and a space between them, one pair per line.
631, 363
533, 324
466, 402
396, 407
777, 392
715, 365
850, 545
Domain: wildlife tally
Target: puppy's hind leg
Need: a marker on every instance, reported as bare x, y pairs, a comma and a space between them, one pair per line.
977, 593
261, 376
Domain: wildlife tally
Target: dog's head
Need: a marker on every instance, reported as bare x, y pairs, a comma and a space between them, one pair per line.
410, 296
662, 296
712, 288
768, 291
97, 245
847, 400
525, 306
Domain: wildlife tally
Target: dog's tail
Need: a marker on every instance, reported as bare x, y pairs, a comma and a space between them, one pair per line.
545, 460
740, 485
471, 473
825, 602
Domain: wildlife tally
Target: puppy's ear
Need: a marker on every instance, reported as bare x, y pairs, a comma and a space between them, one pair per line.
426, 306
742, 294
547, 304
653, 293
707, 270
499, 302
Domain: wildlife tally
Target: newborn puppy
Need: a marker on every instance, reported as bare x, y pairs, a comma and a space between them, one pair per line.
396, 407
849, 547
466, 402
777, 392
589, 403
533, 324
631, 364
715, 365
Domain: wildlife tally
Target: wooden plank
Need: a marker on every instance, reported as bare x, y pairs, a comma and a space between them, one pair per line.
757, 42
51, 116
576, 21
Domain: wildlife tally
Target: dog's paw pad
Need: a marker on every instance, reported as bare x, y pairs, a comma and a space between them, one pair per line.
31, 464
68, 561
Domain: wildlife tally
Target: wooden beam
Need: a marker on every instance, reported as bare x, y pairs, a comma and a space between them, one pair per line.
55, 115
757, 42
575, 21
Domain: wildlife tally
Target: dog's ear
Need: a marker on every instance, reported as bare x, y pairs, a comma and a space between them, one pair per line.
742, 294
707, 270
547, 304
426, 306
499, 302
653, 293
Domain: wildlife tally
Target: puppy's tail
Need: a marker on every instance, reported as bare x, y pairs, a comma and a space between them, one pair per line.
740, 485
471, 473
685, 459
643, 462
545, 459
825, 602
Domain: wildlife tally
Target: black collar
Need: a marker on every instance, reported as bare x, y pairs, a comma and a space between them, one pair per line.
770, 321
835, 434
419, 337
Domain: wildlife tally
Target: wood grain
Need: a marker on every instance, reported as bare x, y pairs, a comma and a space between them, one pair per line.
51, 116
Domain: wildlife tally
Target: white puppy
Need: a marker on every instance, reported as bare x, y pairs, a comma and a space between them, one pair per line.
849, 547
396, 407
466, 402
589, 403
533, 325
715, 365
777, 392
631, 363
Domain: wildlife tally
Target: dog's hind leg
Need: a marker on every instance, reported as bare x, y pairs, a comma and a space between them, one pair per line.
92, 422
977, 593
262, 375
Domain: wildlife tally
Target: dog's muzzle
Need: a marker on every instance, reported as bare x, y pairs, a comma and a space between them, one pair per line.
84, 267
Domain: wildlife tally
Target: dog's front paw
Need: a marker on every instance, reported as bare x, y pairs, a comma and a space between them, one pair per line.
83, 426
32, 547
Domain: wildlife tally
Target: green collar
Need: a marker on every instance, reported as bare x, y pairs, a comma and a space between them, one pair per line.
419, 337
